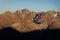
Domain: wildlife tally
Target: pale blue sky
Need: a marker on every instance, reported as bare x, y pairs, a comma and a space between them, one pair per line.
35, 5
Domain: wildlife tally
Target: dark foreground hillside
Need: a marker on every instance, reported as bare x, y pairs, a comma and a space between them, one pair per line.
47, 34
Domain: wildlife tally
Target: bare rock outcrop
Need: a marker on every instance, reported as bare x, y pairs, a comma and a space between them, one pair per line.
26, 21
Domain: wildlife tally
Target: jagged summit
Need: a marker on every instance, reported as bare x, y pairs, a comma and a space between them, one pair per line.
22, 10
25, 10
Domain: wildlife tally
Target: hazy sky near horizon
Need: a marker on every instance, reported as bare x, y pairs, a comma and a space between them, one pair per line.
35, 5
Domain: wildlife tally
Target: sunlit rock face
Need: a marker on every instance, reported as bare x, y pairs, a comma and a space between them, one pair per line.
31, 25
21, 14
52, 18
50, 15
8, 18
28, 24
55, 24
26, 21
5, 19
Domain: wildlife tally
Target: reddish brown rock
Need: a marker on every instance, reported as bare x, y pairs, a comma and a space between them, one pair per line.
28, 24
55, 24
22, 20
48, 17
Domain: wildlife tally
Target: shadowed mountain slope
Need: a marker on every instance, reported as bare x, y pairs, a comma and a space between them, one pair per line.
46, 34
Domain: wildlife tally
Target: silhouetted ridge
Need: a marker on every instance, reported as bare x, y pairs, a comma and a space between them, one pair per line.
38, 34
8, 29
9, 32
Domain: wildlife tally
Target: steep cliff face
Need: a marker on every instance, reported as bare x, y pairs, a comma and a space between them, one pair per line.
22, 20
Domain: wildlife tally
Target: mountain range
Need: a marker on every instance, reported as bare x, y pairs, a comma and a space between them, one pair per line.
26, 21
